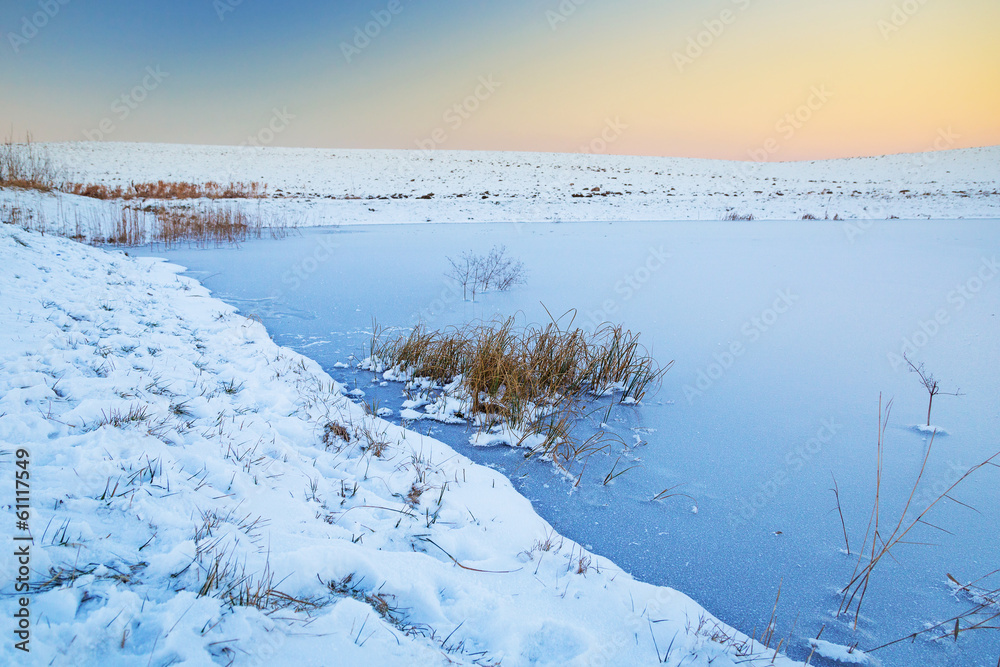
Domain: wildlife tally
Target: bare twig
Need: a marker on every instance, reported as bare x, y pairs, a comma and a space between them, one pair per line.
930, 384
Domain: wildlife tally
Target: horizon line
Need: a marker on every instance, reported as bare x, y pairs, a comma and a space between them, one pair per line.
430, 152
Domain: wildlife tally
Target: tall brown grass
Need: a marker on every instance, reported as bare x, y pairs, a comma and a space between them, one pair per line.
498, 359
221, 226
203, 226
169, 190
123, 225
29, 165
532, 379
26, 165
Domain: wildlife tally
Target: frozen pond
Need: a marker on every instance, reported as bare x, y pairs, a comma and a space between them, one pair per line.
782, 335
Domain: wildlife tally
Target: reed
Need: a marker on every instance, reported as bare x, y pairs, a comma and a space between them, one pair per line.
531, 379
26, 165
879, 542
202, 226
168, 190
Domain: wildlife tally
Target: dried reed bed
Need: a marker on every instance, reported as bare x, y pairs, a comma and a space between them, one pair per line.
169, 190
498, 358
214, 225
29, 166
25, 165
122, 225
533, 380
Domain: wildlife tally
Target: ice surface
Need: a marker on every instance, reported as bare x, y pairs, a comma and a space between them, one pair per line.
171, 443
753, 435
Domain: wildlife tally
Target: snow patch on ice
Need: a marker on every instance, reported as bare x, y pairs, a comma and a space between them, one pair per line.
930, 430
839, 653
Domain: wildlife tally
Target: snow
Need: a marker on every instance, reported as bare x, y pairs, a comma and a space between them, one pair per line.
757, 448
325, 187
930, 430
838, 653
169, 435
89, 335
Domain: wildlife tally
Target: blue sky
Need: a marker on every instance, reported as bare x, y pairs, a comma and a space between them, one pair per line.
707, 79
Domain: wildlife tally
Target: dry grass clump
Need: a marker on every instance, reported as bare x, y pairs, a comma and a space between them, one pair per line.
25, 165
532, 379
170, 190
334, 433
129, 229
125, 225
501, 363
215, 225
436, 355
219, 225
28, 165
227, 579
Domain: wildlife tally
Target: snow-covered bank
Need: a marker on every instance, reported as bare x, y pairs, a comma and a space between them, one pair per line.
173, 449
366, 186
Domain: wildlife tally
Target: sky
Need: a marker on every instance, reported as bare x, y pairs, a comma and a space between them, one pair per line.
763, 80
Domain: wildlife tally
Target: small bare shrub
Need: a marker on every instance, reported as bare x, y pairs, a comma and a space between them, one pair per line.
930, 384
482, 273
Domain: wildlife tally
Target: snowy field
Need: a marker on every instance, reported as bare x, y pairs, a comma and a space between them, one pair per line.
326, 187
176, 449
